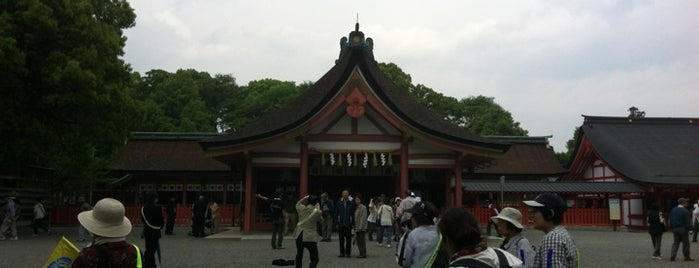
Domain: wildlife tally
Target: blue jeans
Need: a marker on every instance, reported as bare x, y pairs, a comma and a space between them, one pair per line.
384, 231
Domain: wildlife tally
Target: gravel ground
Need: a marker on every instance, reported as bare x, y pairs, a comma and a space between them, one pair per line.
599, 247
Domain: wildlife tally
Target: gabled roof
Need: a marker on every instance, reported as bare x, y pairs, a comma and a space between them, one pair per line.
398, 100
646, 150
527, 155
169, 152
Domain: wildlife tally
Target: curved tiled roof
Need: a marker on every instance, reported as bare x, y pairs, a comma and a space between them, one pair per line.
527, 155
165, 152
313, 100
647, 150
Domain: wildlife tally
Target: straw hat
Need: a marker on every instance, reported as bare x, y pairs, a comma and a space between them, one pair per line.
510, 215
106, 219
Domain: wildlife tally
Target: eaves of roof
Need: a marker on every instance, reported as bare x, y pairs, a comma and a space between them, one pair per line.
313, 100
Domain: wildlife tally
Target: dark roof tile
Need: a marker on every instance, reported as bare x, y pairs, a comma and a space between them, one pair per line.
647, 150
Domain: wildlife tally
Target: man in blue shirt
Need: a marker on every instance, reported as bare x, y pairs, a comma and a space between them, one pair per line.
681, 223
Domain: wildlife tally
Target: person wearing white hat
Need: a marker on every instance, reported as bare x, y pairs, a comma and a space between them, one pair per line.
109, 227
509, 225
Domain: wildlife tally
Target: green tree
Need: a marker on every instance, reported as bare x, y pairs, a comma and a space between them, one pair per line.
483, 116
480, 114
259, 98
63, 85
636, 113
564, 158
184, 101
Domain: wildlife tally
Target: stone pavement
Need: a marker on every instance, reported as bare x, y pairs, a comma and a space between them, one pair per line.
599, 247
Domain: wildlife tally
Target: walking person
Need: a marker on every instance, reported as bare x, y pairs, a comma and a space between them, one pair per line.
10, 220
492, 212
305, 231
84, 206
40, 215
109, 227
656, 229
695, 221
509, 225
397, 227
371, 219
152, 218
385, 215
681, 223
199, 211
328, 209
171, 211
215, 212
291, 217
557, 248
276, 208
360, 225
345, 220
466, 245
405, 204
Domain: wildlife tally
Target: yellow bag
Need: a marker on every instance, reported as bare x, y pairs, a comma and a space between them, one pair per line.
63, 255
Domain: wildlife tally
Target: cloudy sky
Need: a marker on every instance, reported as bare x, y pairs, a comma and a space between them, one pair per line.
546, 62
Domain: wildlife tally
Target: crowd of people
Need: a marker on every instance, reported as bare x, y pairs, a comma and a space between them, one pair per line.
427, 238
423, 235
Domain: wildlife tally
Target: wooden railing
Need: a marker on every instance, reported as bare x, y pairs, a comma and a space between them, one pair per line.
66, 215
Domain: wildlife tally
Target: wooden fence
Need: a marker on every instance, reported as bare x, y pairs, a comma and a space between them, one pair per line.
573, 216
231, 216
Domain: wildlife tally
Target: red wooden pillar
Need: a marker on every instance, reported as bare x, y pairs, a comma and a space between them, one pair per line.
303, 170
247, 217
403, 183
224, 195
458, 189
448, 193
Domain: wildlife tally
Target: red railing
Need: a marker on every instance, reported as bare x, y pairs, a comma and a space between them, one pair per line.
573, 216
230, 215
67, 215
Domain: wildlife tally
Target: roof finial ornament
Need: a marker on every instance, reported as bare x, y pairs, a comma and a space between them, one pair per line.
356, 40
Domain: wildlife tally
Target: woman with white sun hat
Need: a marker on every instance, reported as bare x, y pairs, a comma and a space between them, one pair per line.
109, 227
509, 225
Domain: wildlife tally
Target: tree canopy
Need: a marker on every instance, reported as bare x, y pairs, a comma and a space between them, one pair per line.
69, 101
63, 98
184, 101
480, 115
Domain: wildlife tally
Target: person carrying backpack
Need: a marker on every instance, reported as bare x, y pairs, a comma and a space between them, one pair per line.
466, 245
